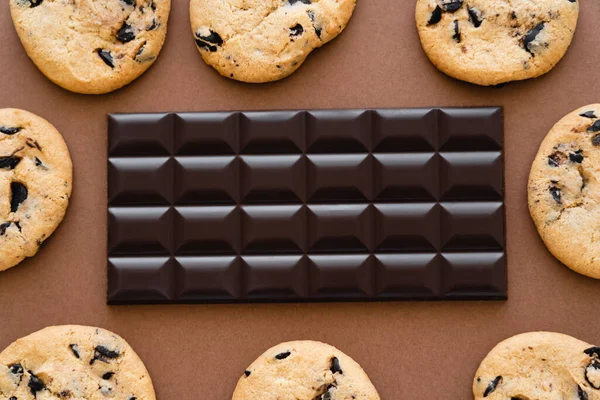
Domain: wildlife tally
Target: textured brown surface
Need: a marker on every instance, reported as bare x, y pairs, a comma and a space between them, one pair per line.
409, 350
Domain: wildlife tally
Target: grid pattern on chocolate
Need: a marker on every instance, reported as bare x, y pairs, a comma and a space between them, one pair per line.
332, 205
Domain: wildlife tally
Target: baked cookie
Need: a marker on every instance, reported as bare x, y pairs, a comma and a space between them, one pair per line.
489, 42
304, 370
35, 184
264, 40
73, 362
91, 46
564, 190
539, 366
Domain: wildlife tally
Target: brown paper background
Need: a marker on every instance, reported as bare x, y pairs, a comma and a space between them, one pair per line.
410, 350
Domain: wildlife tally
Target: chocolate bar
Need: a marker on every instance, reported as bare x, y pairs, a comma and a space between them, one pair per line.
328, 205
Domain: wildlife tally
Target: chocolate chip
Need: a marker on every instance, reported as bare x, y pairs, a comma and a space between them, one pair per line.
15, 369
594, 366
582, 394
311, 15
452, 5
4, 227
456, 35
103, 354
107, 375
292, 2
557, 158
34, 3
39, 163
153, 25
129, 2
436, 16
18, 225
209, 42
595, 127
13, 398
9, 162
75, 349
531, 35
588, 114
513, 15
281, 356
19, 195
296, 30
335, 366
475, 17
576, 157
133, 398
247, 373
125, 34
35, 384
593, 351
106, 57
9, 131
556, 195
492, 386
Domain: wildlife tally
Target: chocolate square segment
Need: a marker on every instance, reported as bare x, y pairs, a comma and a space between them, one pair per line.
291, 206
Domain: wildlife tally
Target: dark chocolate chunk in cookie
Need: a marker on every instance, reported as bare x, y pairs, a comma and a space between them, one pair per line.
335, 366
576, 157
209, 42
75, 349
588, 114
592, 374
581, 393
595, 127
15, 369
299, 1
19, 195
452, 5
475, 17
125, 34
492, 386
107, 375
9, 131
530, 37
103, 354
556, 195
35, 384
436, 16
106, 56
283, 355
247, 373
456, 35
296, 30
593, 351
9, 162
35, 3
4, 227
129, 2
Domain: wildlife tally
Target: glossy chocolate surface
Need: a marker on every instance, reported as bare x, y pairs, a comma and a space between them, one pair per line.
328, 205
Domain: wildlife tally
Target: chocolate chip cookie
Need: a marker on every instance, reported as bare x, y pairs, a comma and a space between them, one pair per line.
304, 370
73, 362
264, 40
35, 184
490, 42
91, 46
564, 190
540, 366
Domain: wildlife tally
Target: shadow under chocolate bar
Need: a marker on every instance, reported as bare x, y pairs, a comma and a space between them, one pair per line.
285, 206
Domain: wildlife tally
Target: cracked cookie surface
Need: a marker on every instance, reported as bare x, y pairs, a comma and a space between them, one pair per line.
35, 184
539, 366
564, 190
73, 362
91, 46
490, 42
304, 370
264, 40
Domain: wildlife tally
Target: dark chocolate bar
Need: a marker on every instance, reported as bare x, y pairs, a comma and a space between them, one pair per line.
332, 205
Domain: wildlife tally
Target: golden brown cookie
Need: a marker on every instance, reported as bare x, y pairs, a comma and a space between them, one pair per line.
489, 42
264, 40
35, 184
564, 190
304, 370
91, 46
539, 366
73, 362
